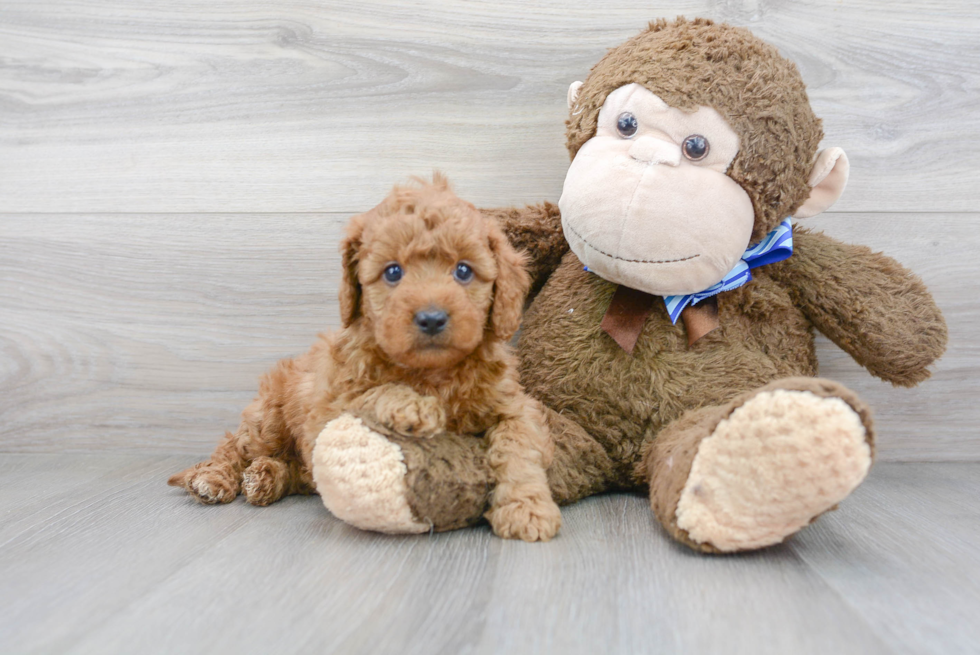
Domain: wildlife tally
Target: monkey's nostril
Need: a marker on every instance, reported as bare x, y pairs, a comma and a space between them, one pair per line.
431, 321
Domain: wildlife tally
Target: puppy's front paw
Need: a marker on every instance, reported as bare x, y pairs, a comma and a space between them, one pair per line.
530, 519
412, 415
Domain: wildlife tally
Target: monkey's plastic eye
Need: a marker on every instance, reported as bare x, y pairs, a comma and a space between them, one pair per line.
695, 147
463, 273
626, 125
393, 273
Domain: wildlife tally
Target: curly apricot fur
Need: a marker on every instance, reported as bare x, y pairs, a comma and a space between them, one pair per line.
381, 367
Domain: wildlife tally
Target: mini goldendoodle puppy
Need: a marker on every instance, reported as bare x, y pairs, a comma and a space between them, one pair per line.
432, 292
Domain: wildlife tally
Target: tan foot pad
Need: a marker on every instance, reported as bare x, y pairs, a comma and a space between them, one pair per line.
360, 476
771, 467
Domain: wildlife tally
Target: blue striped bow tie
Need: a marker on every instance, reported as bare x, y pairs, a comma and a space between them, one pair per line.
777, 246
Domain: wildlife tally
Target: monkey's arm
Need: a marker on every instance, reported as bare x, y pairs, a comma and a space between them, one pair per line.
535, 229
871, 306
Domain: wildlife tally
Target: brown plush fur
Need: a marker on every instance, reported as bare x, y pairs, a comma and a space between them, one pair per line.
382, 367
607, 410
868, 305
618, 417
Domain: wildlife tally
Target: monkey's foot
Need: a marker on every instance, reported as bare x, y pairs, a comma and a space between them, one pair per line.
771, 467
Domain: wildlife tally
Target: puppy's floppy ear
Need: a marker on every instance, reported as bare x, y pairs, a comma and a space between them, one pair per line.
510, 288
350, 286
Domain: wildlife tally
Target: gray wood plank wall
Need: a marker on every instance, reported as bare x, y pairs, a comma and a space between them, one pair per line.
174, 178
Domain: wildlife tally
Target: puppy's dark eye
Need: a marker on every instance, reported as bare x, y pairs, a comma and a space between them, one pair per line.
626, 125
393, 273
695, 147
463, 273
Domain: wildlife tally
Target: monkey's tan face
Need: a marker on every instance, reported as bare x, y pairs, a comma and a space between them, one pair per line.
646, 201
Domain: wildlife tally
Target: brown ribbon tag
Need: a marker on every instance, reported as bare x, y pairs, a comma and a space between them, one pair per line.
626, 315
700, 319
630, 309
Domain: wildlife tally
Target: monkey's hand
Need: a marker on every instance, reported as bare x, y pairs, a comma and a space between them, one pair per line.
536, 230
875, 309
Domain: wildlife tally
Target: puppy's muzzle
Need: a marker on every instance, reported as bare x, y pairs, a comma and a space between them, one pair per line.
431, 321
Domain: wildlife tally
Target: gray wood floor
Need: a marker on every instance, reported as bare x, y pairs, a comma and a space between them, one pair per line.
98, 556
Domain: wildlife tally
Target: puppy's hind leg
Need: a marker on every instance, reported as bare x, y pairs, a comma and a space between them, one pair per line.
267, 479
263, 431
217, 480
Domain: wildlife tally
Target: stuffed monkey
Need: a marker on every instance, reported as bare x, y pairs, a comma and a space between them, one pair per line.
671, 337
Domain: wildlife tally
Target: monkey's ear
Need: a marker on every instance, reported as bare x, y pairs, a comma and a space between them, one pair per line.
510, 287
827, 181
350, 286
573, 90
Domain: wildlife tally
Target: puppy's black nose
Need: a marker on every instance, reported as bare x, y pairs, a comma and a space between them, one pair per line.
431, 321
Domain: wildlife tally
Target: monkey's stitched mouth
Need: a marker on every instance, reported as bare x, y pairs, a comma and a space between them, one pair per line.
629, 261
